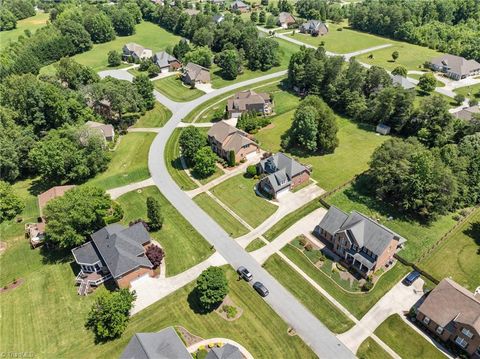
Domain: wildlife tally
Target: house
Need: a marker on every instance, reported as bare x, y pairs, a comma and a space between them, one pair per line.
224, 138
218, 2
166, 62
452, 314
468, 113
218, 18
383, 129
116, 252
455, 67
191, 12
194, 74
281, 174
314, 28
227, 351
401, 81
285, 19
245, 101
107, 132
238, 5
54, 192
136, 51
362, 243
165, 344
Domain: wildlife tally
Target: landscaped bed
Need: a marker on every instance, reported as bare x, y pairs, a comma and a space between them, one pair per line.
174, 89
156, 117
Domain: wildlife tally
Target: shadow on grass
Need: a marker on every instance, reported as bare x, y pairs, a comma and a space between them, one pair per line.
474, 232
196, 307
55, 255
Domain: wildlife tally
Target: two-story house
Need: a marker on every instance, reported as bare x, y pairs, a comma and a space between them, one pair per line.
249, 101
136, 51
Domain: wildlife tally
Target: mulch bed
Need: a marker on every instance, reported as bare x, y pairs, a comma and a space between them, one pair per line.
221, 313
12, 285
188, 337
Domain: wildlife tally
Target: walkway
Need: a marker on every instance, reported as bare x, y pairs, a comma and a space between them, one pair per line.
117, 192
194, 347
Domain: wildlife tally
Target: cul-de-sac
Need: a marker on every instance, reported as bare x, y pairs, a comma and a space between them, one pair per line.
240, 179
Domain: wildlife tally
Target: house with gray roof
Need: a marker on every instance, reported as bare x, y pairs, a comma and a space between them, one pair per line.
451, 313
401, 81
249, 101
165, 344
314, 28
362, 243
194, 74
106, 131
227, 351
136, 51
455, 67
281, 173
166, 62
238, 5
468, 113
116, 252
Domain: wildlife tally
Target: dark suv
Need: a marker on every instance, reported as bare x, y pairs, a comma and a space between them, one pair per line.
412, 277
244, 273
261, 289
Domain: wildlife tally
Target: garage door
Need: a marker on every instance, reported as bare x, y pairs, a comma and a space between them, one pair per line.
283, 191
251, 155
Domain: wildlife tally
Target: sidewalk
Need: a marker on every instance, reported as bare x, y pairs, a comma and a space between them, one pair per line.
117, 192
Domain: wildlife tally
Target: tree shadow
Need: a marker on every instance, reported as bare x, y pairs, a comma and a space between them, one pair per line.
473, 231
196, 307
39, 185
54, 255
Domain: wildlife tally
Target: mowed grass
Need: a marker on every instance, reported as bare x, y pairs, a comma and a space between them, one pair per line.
129, 162
420, 237
239, 195
156, 117
369, 349
356, 145
458, 255
357, 303
409, 344
257, 243
32, 24
259, 329
417, 77
174, 89
470, 92
315, 302
184, 246
174, 164
220, 215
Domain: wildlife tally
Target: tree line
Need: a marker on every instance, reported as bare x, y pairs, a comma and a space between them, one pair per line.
13, 10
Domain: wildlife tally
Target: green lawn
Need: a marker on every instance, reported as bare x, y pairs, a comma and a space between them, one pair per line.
184, 246
369, 349
146, 34
156, 117
357, 303
409, 344
421, 96
32, 24
320, 306
174, 89
470, 92
174, 165
356, 145
222, 217
417, 77
458, 255
129, 162
257, 243
239, 195
420, 237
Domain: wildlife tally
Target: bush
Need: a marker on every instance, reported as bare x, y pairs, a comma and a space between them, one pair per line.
154, 214
115, 215
367, 286
252, 171
230, 310
155, 254
459, 98
114, 58
302, 241
308, 247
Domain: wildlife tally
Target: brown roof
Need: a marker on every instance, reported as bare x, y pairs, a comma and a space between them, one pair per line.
467, 113
106, 130
197, 72
451, 302
230, 137
286, 18
242, 99
54, 192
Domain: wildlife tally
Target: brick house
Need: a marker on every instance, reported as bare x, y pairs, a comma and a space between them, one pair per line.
195, 74
116, 252
285, 19
362, 243
224, 138
282, 173
451, 313
238, 5
106, 131
249, 101
136, 51
166, 62
314, 28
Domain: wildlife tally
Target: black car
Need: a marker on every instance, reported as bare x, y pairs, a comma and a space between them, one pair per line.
412, 277
261, 289
244, 273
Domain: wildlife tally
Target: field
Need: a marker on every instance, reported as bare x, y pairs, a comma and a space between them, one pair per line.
320, 306
175, 90
233, 227
156, 117
174, 165
458, 255
471, 92
129, 162
409, 344
371, 350
184, 246
32, 24
239, 195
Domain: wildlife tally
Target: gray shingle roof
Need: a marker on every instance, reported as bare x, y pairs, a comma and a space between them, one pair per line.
86, 254
228, 351
333, 220
163, 59
165, 344
278, 180
403, 82
197, 73
281, 161
468, 113
456, 64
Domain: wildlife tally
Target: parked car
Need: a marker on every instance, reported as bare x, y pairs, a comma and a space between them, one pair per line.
244, 273
261, 289
412, 277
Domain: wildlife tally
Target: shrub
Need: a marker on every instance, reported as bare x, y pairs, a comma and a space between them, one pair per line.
252, 171
368, 285
230, 310
139, 220
302, 241
155, 254
154, 214
114, 58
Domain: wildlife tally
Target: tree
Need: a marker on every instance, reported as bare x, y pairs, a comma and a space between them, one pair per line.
72, 218
145, 89
123, 22
114, 58
376, 79
395, 56
262, 17
8, 21
231, 158
10, 203
230, 62
304, 128
263, 55
212, 287
201, 56
459, 98
400, 70
75, 75
191, 140
251, 171
254, 16
271, 22
155, 255
154, 214
153, 70
134, 10
285, 6
180, 49
205, 162
76, 33
99, 26
21, 9
427, 82
203, 37
109, 315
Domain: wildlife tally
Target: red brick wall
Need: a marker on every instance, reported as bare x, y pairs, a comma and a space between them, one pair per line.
124, 281
386, 255
245, 151
301, 178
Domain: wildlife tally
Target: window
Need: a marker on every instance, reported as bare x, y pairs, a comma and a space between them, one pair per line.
439, 330
426, 320
461, 342
467, 333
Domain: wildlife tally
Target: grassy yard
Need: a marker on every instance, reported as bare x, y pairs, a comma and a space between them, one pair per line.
32, 24
458, 255
419, 236
174, 165
238, 194
357, 303
174, 89
356, 144
184, 246
257, 243
129, 162
409, 344
421, 96
320, 306
417, 77
222, 217
369, 349
156, 117
471, 92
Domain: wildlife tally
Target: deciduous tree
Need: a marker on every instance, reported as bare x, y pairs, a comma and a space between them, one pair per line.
212, 287
205, 162
10, 203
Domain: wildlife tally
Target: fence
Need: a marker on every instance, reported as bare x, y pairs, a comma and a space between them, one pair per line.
415, 267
